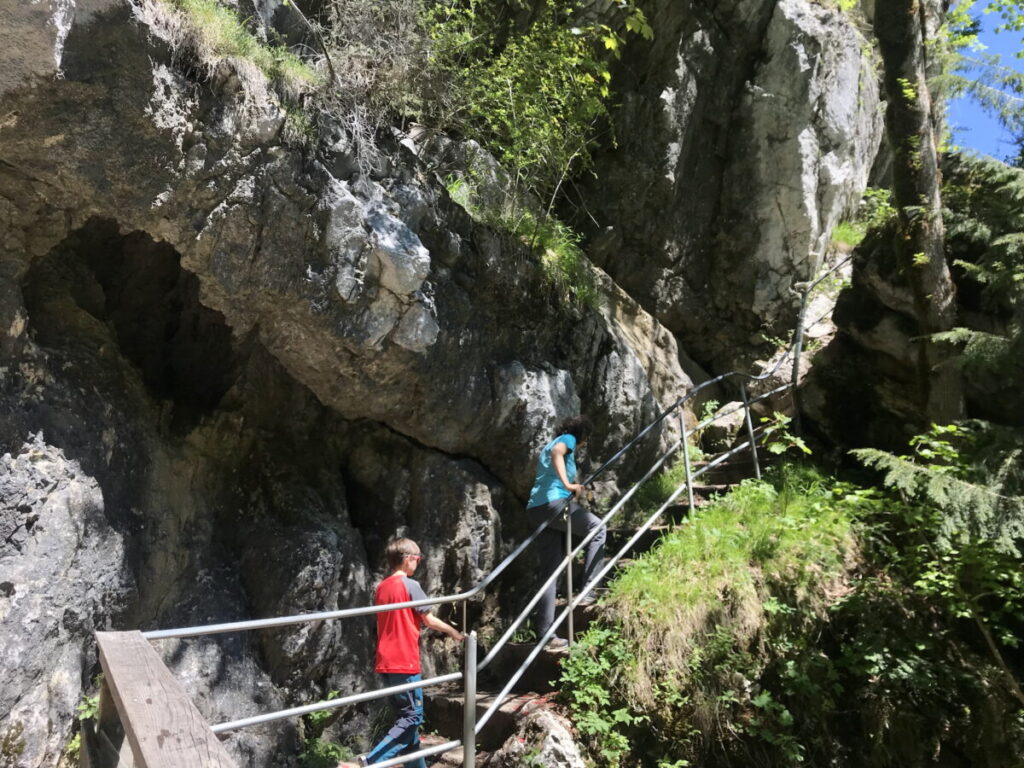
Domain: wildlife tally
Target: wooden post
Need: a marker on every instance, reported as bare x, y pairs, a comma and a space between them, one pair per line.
162, 725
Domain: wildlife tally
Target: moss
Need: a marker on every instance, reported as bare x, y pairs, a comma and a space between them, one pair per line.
12, 745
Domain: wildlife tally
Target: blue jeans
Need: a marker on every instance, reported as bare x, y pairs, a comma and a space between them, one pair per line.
404, 736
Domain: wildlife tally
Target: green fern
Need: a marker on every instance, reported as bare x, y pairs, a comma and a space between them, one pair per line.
972, 483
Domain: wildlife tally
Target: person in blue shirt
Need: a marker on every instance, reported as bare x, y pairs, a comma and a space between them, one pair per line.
555, 487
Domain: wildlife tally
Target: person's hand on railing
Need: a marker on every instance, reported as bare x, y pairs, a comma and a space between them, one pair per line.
430, 620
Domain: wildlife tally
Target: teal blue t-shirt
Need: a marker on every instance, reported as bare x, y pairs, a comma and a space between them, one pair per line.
548, 487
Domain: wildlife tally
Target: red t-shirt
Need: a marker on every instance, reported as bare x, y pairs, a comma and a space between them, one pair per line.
398, 632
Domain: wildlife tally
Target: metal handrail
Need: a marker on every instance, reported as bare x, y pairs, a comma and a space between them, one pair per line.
471, 728
525, 612
613, 561
500, 644
346, 613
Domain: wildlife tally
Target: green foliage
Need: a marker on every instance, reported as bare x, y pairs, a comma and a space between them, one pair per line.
877, 208
962, 484
957, 530
969, 71
875, 211
1012, 14
215, 32
88, 708
556, 245
317, 753
590, 674
776, 437
849, 232
653, 493
316, 721
694, 623
535, 94
533, 86
757, 637
984, 219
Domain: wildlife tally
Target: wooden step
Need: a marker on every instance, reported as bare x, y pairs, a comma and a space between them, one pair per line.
443, 706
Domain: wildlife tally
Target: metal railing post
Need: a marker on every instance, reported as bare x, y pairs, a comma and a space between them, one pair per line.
798, 348
750, 430
465, 622
686, 461
568, 567
469, 704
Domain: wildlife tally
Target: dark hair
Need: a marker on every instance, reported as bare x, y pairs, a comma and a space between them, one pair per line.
577, 426
397, 549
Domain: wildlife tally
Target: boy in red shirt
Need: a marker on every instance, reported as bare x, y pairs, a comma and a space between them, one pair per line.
398, 651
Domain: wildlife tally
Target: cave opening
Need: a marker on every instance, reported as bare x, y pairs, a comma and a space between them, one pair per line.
137, 288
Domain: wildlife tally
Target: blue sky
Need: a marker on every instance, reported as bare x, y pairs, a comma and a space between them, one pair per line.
973, 128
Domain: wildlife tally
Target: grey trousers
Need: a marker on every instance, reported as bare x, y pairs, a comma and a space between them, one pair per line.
551, 550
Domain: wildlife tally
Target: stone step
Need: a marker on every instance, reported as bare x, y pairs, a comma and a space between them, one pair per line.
450, 759
540, 677
735, 470
443, 706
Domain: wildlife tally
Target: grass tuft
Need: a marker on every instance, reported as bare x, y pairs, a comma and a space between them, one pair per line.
757, 543
214, 33
849, 232
562, 262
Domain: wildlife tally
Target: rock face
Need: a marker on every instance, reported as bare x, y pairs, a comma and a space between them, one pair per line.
246, 369
754, 124
235, 366
860, 391
64, 576
542, 738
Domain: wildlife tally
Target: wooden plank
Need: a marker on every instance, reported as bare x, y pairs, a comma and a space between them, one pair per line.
113, 750
98, 751
162, 724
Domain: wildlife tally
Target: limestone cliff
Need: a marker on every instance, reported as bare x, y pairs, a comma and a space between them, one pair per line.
232, 366
756, 123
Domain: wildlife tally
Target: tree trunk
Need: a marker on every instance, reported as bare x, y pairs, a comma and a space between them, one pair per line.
901, 27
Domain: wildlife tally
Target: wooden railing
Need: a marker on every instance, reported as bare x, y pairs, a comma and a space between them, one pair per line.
146, 720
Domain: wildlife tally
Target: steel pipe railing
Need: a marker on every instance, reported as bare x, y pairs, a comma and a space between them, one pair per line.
355, 698
525, 612
565, 564
347, 613
609, 565
472, 725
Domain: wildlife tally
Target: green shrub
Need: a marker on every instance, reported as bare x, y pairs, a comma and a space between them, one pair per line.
554, 243
695, 625
653, 493
535, 94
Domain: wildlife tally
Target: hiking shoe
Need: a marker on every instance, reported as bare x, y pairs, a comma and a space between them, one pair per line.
556, 644
593, 596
